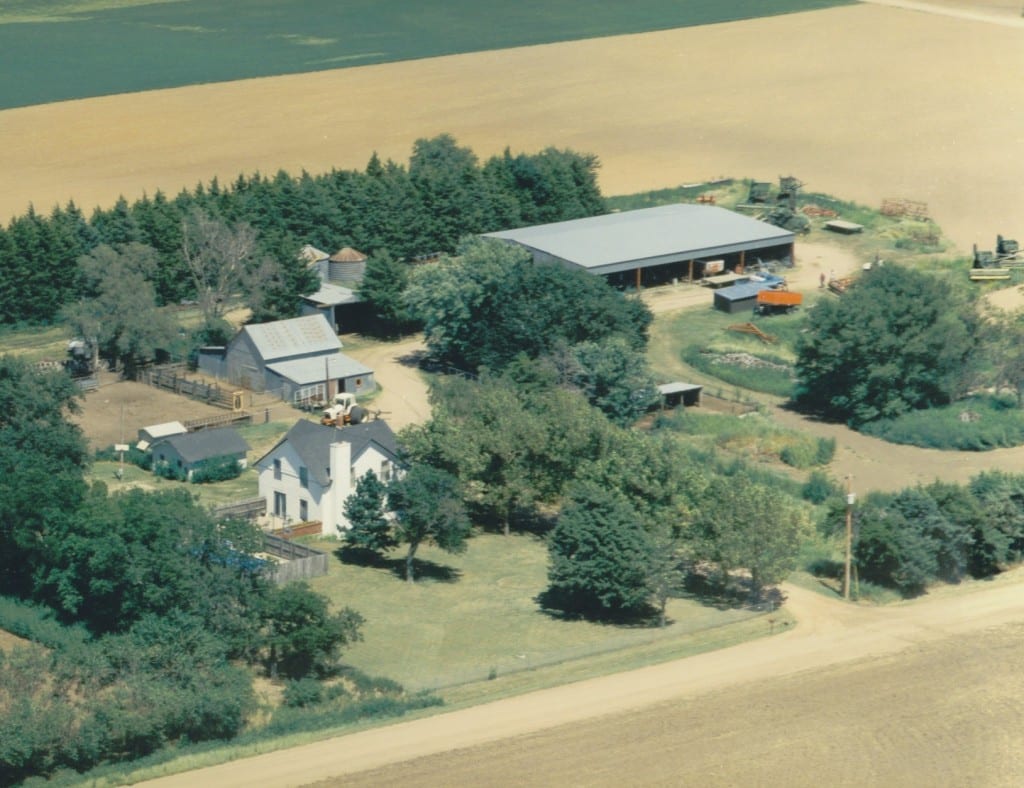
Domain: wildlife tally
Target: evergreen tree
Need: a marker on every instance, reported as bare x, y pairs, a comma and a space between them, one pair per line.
598, 556
364, 509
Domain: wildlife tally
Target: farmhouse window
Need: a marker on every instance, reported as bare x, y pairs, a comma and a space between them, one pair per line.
304, 477
385, 471
303, 510
277, 470
280, 504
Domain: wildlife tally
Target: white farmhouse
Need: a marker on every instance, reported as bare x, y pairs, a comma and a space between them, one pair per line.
310, 472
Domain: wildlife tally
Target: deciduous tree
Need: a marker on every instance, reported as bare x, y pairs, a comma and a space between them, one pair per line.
898, 340
428, 508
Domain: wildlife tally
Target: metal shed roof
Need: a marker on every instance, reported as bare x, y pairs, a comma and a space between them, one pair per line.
304, 371
650, 236
206, 444
742, 291
298, 336
333, 295
678, 388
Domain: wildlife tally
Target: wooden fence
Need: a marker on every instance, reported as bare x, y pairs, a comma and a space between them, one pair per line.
249, 509
218, 420
298, 561
174, 378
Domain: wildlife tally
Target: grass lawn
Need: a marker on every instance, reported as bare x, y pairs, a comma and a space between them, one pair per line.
245, 486
474, 616
97, 47
35, 344
676, 336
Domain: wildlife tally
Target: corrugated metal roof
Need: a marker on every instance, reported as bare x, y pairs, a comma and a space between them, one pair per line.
165, 429
304, 371
678, 388
312, 255
743, 290
206, 444
297, 336
348, 255
333, 295
312, 442
650, 236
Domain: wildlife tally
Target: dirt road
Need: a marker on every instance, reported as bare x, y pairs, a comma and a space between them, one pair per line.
882, 648
403, 395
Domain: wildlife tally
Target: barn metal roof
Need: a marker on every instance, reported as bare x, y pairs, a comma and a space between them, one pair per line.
298, 336
647, 237
305, 371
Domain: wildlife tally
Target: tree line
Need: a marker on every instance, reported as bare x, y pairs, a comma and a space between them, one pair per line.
406, 211
938, 532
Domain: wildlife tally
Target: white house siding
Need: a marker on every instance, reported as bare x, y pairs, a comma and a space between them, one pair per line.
289, 485
325, 504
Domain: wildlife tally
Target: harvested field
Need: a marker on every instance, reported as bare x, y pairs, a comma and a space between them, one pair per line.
866, 101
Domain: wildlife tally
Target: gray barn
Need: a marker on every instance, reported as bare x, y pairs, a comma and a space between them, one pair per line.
298, 359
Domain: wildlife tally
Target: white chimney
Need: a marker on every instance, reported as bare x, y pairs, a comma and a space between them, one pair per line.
340, 456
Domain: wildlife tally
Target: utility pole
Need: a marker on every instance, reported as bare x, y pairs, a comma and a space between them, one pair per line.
851, 498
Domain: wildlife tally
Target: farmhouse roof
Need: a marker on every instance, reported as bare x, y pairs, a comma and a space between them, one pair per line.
651, 236
304, 371
333, 295
312, 442
298, 336
348, 255
206, 444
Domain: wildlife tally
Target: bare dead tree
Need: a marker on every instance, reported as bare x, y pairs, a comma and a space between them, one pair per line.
217, 256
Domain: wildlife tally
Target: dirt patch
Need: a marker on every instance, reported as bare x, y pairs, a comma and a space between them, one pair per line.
117, 410
402, 399
864, 101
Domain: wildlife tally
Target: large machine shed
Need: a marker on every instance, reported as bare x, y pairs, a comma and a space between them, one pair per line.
654, 245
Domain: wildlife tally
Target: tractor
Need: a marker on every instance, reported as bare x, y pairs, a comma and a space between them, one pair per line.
344, 410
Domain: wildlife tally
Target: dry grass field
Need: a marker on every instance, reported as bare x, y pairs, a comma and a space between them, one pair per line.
864, 101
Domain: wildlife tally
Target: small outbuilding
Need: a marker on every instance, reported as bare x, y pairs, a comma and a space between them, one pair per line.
741, 297
677, 393
338, 298
150, 435
189, 452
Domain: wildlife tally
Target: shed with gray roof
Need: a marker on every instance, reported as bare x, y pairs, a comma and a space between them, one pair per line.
656, 245
741, 297
191, 450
